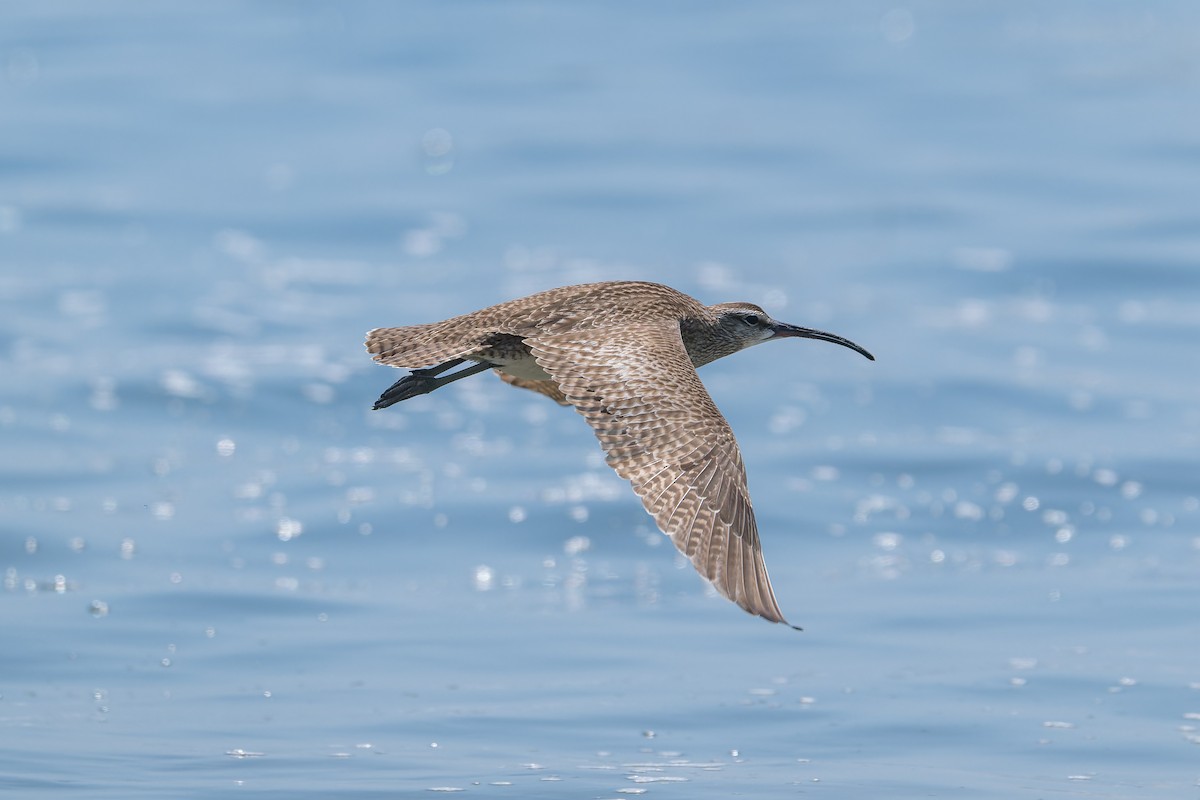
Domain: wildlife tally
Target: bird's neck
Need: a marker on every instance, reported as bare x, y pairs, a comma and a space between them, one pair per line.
706, 341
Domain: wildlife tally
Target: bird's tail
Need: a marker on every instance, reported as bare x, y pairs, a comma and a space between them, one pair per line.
416, 346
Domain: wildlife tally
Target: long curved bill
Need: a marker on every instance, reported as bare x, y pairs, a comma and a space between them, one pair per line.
783, 330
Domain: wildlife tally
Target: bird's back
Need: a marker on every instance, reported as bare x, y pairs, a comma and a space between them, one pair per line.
561, 310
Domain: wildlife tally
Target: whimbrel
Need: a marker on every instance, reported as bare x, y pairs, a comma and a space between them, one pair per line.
625, 354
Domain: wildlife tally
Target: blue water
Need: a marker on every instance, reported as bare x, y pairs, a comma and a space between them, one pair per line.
223, 574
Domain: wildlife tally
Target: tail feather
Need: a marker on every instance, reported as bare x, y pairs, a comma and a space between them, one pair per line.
416, 346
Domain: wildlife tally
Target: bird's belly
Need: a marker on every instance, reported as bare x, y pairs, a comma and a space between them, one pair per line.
519, 367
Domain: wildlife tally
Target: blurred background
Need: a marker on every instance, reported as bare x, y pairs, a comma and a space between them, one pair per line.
223, 572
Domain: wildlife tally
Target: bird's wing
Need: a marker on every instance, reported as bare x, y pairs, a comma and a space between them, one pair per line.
638, 390
546, 387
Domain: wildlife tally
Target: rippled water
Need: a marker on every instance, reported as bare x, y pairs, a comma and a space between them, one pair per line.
223, 572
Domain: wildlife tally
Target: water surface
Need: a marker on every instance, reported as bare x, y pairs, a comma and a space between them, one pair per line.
224, 573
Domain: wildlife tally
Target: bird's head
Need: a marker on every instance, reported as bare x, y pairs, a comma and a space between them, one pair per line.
742, 325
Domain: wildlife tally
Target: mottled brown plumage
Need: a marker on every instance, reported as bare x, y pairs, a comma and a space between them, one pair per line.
625, 354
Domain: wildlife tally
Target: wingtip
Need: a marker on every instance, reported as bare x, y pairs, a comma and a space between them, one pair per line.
779, 620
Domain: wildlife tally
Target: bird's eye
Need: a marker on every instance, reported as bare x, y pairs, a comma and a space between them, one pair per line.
752, 319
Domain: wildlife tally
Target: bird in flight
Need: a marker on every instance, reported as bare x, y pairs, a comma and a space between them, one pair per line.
625, 354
